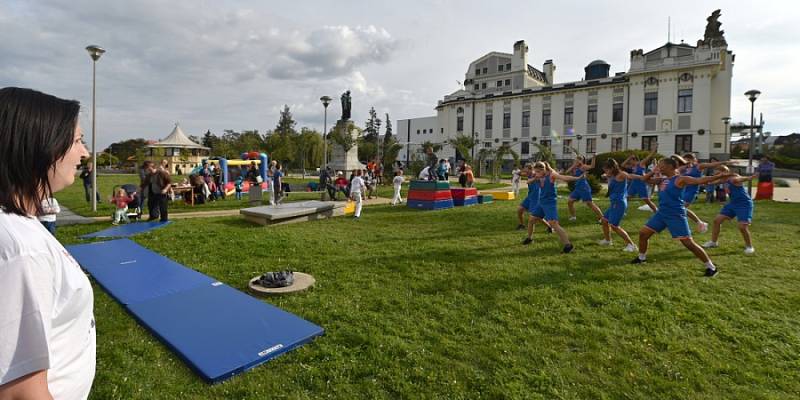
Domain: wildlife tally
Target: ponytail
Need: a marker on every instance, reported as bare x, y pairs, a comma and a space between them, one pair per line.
613, 165
677, 160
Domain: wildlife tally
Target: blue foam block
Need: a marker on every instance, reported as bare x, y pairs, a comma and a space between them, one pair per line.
131, 273
430, 205
126, 230
465, 202
220, 331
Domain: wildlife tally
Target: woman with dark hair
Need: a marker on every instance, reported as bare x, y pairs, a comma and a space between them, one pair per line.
47, 328
618, 194
671, 212
582, 192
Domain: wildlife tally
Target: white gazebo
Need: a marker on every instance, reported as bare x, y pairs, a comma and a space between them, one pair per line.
179, 151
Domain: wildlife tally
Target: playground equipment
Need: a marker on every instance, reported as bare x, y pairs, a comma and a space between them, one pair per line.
234, 168
430, 195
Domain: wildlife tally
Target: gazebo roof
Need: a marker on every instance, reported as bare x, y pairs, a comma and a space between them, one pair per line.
178, 139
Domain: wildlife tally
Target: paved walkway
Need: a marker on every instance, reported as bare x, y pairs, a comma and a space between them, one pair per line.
67, 217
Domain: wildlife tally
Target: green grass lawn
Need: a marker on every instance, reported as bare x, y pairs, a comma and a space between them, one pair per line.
449, 305
74, 197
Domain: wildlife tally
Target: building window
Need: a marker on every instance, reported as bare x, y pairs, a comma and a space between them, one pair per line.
567, 148
508, 82
526, 119
441, 130
685, 100
485, 70
683, 144
616, 144
488, 122
525, 148
616, 112
483, 85
477, 71
477, 86
545, 143
651, 103
649, 143
460, 123
507, 120
545, 117
417, 131
568, 116
487, 145
508, 67
499, 83
591, 116
500, 67
591, 145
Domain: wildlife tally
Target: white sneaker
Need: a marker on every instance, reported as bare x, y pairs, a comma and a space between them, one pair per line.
630, 248
604, 242
702, 227
710, 244
749, 250
573, 218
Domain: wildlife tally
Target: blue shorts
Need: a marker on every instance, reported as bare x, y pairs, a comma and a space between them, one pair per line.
638, 189
615, 212
526, 203
743, 213
581, 194
690, 194
678, 226
547, 212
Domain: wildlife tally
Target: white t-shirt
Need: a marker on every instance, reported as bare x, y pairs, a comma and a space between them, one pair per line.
398, 181
46, 310
356, 185
425, 173
50, 208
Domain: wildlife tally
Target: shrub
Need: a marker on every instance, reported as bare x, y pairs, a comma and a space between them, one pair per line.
594, 183
782, 161
780, 183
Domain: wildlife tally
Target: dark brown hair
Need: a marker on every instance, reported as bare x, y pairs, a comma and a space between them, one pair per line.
613, 165
36, 131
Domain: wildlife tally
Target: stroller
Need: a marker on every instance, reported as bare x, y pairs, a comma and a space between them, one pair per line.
135, 206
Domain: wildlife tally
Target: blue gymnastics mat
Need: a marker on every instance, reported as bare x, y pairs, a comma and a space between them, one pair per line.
131, 273
430, 205
220, 331
126, 230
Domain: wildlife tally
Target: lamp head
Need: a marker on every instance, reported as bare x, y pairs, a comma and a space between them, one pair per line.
325, 100
752, 95
95, 51
726, 120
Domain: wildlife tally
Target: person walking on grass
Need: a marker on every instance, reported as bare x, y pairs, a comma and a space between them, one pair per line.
277, 183
158, 184
671, 212
739, 206
638, 188
547, 209
531, 202
86, 177
515, 180
397, 182
357, 188
582, 191
121, 201
618, 195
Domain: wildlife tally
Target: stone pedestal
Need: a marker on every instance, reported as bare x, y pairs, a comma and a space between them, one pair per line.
341, 160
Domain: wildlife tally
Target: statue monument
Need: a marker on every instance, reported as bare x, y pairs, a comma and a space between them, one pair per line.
713, 35
344, 138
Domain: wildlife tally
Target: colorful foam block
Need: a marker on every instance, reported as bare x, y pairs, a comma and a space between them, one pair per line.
429, 185
465, 202
502, 195
350, 207
430, 205
460, 193
485, 199
429, 195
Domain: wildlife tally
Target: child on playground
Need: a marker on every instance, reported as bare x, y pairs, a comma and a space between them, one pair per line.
48, 216
671, 212
121, 200
397, 182
238, 186
739, 206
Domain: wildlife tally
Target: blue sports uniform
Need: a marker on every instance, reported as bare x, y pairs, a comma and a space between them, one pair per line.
582, 190
546, 209
671, 212
638, 188
690, 192
532, 200
617, 193
740, 204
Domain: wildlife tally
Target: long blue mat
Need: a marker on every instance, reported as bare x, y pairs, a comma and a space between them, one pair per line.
219, 331
131, 273
126, 230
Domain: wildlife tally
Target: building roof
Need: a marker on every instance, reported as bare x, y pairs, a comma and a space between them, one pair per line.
536, 74
178, 139
598, 62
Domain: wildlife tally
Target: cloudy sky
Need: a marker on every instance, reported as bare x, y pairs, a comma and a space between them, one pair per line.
233, 64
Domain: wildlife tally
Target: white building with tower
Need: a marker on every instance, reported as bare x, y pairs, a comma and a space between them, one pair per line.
674, 96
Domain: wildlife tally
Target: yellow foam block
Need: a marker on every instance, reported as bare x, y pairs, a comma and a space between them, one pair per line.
350, 207
501, 195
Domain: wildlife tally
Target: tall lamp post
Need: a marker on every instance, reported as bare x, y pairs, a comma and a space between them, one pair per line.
326, 100
726, 121
752, 95
95, 52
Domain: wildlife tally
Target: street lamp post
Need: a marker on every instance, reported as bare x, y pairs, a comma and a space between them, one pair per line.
326, 100
95, 52
726, 121
752, 95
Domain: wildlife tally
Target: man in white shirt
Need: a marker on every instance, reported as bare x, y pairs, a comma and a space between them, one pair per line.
398, 184
357, 188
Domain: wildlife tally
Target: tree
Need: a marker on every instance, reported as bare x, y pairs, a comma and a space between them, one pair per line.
463, 145
281, 143
309, 148
499, 155
389, 148
286, 123
126, 148
209, 139
544, 154
483, 155
372, 128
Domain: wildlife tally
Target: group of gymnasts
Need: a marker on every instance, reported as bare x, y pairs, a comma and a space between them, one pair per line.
678, 179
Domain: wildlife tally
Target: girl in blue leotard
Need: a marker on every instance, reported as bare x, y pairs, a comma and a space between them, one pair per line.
638, 188
547, 209
740, 206
582, 191
672, 212
617, 193
694, 169
531, 202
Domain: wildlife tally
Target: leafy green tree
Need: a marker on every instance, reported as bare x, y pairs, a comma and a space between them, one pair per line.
209, 139
499, 155
309, 148
463, 145
372, 128
389, 148
126, 148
